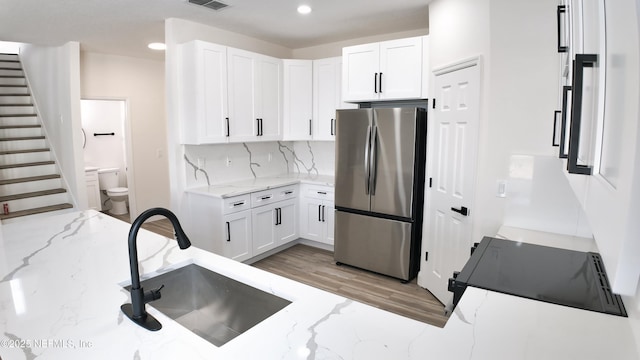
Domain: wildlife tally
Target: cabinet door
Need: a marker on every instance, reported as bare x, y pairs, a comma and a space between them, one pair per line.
264, 223
93, 195
203, 94
311, 226
286, 222
268, 98
329, 213
327, 90
242, 78
360, 66
237, 236
612, 196
298, 79
400, 69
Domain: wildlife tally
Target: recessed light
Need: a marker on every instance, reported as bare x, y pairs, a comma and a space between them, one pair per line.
157, 46
304, 9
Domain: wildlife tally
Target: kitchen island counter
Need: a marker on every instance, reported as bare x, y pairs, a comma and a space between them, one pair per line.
61, 281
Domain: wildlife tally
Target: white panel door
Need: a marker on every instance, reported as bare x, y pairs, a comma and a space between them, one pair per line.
447, 231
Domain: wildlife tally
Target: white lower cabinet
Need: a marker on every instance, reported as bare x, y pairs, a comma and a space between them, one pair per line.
244, 226
317, 213
274, 225
237, 244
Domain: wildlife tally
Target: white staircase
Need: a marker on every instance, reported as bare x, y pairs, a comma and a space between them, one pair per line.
29, 178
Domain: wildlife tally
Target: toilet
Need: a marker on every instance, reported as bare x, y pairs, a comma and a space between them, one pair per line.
108, 182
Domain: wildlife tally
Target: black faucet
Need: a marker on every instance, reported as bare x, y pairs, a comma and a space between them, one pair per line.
135, 311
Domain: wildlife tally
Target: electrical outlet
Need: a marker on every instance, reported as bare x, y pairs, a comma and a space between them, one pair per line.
270, 157
228, 162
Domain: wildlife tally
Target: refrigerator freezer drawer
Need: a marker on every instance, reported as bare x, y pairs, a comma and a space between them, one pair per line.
375, 244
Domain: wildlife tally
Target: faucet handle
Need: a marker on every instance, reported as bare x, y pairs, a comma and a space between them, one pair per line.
153, 294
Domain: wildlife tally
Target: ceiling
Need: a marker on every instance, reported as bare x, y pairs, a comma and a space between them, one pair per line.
125, 27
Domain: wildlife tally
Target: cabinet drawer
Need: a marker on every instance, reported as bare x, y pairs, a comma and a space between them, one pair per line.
269, 196
318, 192
236, 203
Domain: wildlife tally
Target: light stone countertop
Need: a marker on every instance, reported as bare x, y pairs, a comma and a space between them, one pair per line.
60, 297
242, 187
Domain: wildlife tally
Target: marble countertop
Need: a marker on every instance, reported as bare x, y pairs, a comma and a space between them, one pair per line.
242, 187
61, 281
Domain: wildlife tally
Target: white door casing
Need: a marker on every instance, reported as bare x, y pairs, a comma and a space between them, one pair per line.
454, 145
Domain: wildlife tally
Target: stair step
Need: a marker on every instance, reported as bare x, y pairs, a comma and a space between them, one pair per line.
33, 211
4, 127
29, 179
9, 152
23, 138
12, 76
27, 164
18, 115
15, 100
31, 194
13, 80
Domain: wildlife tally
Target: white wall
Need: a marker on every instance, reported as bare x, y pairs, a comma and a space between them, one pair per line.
141, 83
516, 40
54, 78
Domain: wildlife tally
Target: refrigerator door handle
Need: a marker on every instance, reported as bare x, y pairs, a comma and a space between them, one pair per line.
373, 162
367, 148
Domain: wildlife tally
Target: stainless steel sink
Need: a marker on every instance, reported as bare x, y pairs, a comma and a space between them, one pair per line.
211, 305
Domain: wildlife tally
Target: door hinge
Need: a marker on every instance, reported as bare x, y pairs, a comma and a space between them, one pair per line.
426, 256
433, 103
430, 182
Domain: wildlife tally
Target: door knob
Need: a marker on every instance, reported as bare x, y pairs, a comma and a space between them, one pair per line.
463, 211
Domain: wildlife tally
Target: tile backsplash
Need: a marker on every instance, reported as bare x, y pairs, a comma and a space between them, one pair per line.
223, 163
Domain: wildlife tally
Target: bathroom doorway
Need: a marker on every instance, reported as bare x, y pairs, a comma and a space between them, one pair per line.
107, 144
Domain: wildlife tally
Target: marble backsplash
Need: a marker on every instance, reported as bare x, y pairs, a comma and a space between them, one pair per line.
223, 163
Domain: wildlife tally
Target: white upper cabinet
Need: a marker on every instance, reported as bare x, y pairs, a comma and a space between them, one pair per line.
298, 97
602, 133
389, 70
268, 97
327, 90
312, 91
203, 92
254, 96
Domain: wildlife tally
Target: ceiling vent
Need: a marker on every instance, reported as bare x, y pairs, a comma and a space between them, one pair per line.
214, 5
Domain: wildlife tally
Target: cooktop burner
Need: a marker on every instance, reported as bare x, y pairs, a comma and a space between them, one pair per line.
559, 276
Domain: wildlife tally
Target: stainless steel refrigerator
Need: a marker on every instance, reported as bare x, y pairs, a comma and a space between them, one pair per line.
379, 189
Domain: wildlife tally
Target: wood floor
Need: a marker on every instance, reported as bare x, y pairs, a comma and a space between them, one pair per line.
162, 226
317, 268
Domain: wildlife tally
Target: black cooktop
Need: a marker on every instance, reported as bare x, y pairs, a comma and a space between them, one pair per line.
559, 276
